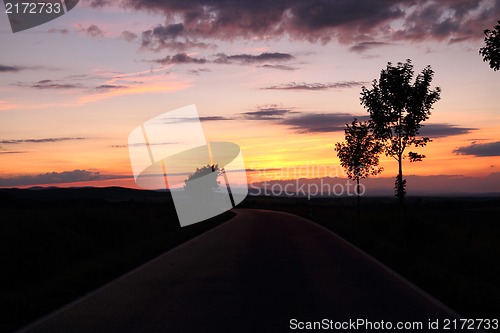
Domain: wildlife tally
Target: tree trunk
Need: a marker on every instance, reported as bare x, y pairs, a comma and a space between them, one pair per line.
357, 192
358, 199
400, 182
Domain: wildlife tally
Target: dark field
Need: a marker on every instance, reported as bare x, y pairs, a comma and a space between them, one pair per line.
449, 247
59, 244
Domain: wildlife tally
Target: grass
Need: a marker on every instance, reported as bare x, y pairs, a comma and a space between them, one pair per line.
449, 247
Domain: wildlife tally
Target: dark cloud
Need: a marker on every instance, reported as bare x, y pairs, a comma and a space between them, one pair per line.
443, 130
160, 36
4, 69
316, 86
448, 20
94, 31
354, 22
55, 178
321, 122
128, 36
480, 149
214, 118
15, 68
366, 46
271, 112
333, 122
44, 140
280, 67
62, 85
250, 58
171, 37
51, 84
180, 58
221, 58
170, 31
107, 87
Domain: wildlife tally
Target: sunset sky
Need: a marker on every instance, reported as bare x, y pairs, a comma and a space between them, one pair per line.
280, 78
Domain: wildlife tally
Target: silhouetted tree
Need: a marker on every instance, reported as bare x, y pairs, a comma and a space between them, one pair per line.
397, 108
359, 153
199, 187
491, 51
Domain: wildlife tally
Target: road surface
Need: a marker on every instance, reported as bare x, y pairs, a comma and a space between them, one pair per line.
254, 273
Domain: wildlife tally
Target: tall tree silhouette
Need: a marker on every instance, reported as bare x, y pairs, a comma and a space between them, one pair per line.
359, 153
491, 50
397, 108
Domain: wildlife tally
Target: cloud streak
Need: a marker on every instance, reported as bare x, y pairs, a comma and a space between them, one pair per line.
55, 178
267, 113
51, 84
108, 87
9, 69
44, 140
215, 118
366, 46
221, 58
16, 68
321, 122
315, 122
280, 67
480, 149
316, 86
62, 85
7, 152
444, 130
251, 59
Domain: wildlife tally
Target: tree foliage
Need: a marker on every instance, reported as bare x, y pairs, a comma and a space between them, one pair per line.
397, 108
491, 50
359, 153
203, 181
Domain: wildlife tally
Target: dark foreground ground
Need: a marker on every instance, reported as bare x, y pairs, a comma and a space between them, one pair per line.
58, 244
258, 272
449, 247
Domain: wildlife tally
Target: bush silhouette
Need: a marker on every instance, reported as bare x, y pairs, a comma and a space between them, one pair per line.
203, 182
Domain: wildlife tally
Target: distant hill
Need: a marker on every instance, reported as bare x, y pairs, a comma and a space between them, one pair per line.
84, 193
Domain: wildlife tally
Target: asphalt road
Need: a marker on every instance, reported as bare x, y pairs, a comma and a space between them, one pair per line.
253, 273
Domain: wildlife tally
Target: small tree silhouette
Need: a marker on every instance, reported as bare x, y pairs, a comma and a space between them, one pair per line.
397, 108
359, 154
201, 188
491, 51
